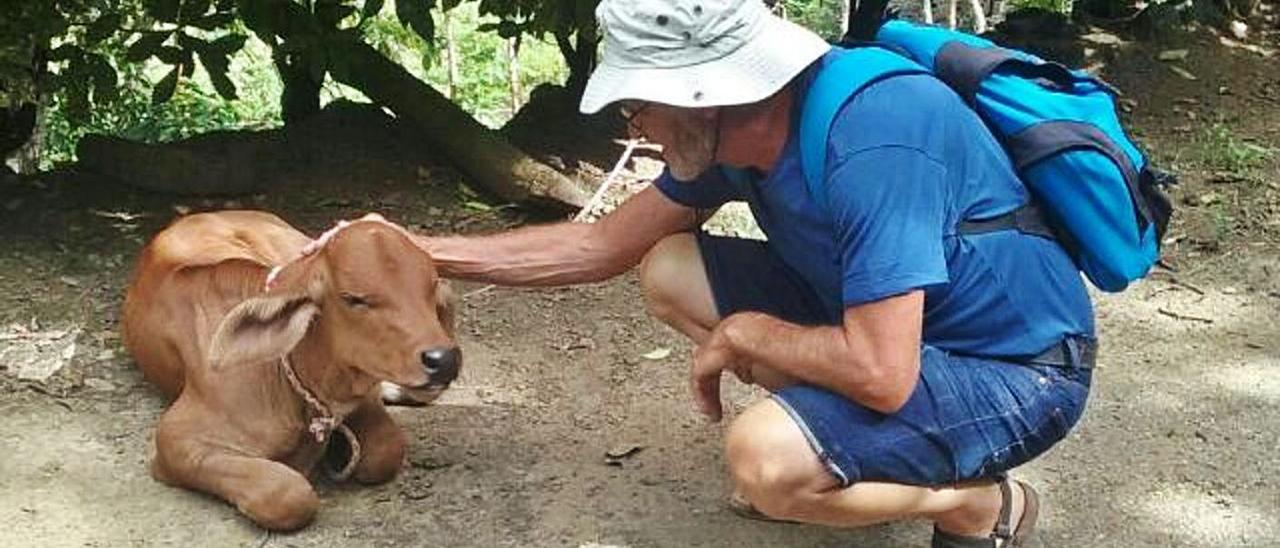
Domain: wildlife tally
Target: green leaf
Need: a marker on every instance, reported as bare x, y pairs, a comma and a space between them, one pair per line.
214, 21
166, 87
330, 14
508, 29
416, 14
164, 10
657, 354
77, 97
294, 20
146, 46
317, 63
258, 16
217, 68
228, 44
295, 45
105, 80
190, 43
193, 10
372, 7
104, 27
170, 55
66, 52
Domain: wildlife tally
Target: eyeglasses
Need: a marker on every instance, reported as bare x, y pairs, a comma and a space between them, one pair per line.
629, 110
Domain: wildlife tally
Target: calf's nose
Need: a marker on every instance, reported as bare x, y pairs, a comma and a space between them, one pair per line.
442, 364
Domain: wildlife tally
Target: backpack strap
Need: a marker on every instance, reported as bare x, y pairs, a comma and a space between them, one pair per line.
1046, 139
1027, 219
837, 82
964, 67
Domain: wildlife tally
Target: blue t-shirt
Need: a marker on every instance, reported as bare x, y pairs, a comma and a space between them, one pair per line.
907, 161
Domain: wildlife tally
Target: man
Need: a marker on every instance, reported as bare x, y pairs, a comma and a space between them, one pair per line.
907, 363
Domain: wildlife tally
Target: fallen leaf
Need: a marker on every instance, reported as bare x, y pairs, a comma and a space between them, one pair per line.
1102, 38
1182, 72
1239, 29
659, 354
1173, 55
618, 453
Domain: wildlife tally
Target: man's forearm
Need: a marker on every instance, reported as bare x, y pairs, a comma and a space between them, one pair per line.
816, 355
867, 360
546, 255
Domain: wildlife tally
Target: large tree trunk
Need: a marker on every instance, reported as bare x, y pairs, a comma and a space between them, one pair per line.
20, 124
480, 153
301, 96
31, 154
579, 55
17, 124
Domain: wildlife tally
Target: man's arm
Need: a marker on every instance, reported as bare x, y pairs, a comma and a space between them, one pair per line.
873, 359
564, 253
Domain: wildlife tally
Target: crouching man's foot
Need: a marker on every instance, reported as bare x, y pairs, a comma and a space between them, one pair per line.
1016, 511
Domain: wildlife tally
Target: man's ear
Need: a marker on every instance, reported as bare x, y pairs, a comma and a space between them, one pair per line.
261, 328
447, 307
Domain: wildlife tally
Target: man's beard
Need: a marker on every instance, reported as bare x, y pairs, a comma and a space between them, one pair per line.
693, 151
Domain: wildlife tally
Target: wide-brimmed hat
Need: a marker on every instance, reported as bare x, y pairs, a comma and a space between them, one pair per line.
696, 53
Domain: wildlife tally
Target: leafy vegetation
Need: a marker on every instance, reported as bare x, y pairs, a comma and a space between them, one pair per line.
820, 16
163, 69
1222, 150
156, 70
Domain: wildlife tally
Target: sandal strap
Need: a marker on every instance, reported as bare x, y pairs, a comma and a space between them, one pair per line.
1004, 525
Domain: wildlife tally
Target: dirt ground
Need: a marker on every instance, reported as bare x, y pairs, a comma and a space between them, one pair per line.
1178, 446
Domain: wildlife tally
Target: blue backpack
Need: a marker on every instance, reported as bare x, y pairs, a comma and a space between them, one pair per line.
1091, 188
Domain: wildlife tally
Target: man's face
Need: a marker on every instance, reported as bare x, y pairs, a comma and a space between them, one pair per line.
689, 137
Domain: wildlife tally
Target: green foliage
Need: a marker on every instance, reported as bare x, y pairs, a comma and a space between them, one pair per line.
1057, 6
1222, 150
416, 14
820, 16
539, 17
194, 108
482, 88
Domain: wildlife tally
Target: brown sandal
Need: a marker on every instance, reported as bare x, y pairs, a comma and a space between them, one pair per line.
743, 508
1004, 535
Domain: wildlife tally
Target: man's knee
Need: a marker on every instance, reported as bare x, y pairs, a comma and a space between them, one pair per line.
771, 462
664, 271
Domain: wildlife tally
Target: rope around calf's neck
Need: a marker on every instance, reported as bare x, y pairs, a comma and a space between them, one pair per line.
324, 424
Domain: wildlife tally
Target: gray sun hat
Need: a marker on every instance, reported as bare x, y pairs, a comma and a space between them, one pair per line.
696, 53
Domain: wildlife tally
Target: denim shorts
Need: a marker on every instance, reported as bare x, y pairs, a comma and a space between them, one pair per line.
968, 418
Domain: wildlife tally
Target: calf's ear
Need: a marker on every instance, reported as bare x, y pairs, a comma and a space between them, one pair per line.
260, 329
447, 307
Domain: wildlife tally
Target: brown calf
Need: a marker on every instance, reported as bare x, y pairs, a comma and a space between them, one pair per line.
263, 379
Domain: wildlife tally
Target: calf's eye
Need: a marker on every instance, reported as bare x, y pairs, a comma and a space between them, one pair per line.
354, 301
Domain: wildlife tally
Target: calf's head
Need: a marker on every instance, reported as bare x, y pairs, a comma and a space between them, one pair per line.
367, 299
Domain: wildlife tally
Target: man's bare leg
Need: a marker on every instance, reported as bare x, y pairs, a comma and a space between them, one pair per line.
774, 468
677, 292
772, 464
